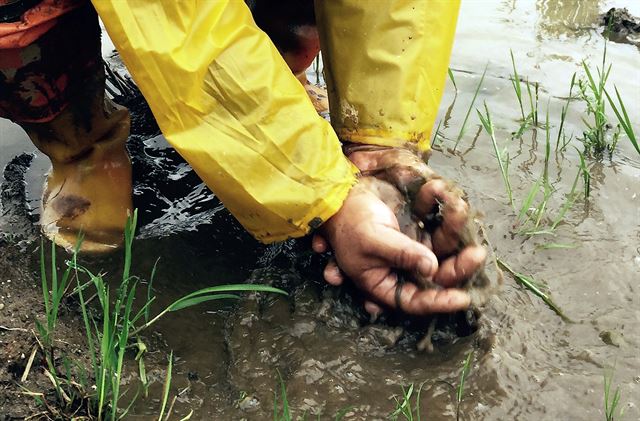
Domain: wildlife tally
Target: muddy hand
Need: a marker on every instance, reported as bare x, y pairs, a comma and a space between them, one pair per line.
439, 203
369, 248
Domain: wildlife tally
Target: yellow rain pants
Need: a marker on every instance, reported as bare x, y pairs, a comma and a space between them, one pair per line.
225, 99
385, 64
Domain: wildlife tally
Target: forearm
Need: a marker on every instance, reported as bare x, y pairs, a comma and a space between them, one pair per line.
225, 99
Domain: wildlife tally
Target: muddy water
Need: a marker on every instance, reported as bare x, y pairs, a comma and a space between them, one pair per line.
528, 363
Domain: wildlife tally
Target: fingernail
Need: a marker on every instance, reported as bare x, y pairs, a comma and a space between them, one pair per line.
428, 266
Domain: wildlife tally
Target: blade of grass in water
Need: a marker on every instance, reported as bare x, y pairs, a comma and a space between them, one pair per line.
586, 176
208, 294
623, 118
532, 286
453, 79
563, 114
463, 128
166, 387
488, 126
517, 87
436, 135
463, 375
610, 402
550, 246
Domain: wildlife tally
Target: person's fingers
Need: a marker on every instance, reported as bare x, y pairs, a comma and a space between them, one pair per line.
332, 273
400, 252
455, 213
319, 244
461, 266
373, 309
419, 302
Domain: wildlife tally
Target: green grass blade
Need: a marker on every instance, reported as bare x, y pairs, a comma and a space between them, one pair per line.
488, 126
453, 79
532, 286
181, 304
436, 135
526, 205
55, 299
570, 200
517, 87
45, 283
147, 307
129, 234
473, 101
623, 119
166, 387
463, 376
551, 246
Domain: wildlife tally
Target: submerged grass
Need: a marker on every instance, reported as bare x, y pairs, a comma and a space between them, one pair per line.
562, 137
592, 92
404, 406
502, 156
110, 329
623, 118
611, 401
529, 119
460, 389
535, 287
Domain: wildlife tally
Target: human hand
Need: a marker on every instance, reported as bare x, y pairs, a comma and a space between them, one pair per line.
434, 200
391, 171
369, 249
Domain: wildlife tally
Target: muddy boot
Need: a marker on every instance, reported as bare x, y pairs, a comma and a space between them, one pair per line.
88, 189
52, 84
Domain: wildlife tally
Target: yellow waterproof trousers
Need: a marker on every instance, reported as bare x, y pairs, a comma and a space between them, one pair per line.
226, 100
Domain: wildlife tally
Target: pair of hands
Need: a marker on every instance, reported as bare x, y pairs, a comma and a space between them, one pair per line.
369, 247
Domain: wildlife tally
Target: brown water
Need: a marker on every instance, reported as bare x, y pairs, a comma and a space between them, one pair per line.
528, 364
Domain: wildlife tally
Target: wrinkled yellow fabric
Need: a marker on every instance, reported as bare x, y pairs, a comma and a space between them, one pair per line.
226, 100
385, 65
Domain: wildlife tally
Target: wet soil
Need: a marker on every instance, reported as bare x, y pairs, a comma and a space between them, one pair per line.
528, 363
620, 26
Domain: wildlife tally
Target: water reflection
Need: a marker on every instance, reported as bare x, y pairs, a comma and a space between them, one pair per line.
565, 18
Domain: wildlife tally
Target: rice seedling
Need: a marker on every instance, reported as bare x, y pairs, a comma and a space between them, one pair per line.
453, 80
533, 102
563, 115
463, 127
166, 387
535, 287
281, 414
586, 175
592, 92
611, 402
52, 294
529, 119
623, 118
517, 87
404, 407
109, 334
282, 410
502, 156
437, 135
460, 389
552, 246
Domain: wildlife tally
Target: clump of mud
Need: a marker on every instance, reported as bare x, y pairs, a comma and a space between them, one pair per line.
620, 26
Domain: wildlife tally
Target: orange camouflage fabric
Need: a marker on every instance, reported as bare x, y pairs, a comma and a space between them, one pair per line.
46, 54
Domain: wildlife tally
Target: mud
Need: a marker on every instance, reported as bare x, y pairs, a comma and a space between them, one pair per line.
527, 364
620, 26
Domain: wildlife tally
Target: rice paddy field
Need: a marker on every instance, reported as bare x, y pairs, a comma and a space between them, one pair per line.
537, 125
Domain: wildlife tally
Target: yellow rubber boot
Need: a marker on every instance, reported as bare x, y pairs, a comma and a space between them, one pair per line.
88, 189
